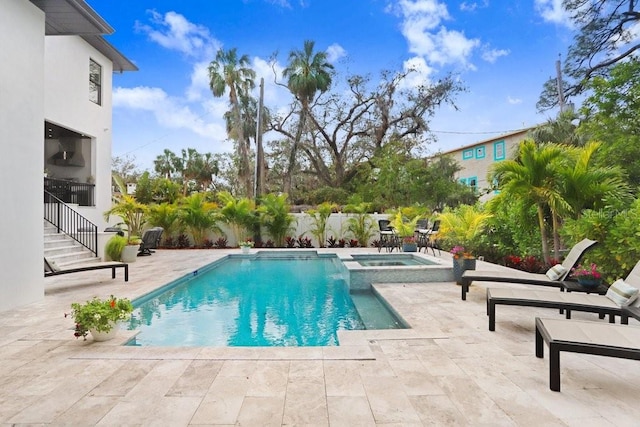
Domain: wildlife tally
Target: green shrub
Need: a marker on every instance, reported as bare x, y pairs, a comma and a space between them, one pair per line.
115, 246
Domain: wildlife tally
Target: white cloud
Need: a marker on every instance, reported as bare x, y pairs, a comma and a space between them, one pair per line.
423, 28
473, 6
170, 112
492, 55
199, 87
514, 101
335, 52
420, 72
552, 11
174, 32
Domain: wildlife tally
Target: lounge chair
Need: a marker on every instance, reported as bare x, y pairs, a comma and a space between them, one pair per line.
51, 269
150, 240
568, 301
584, 337
572, 259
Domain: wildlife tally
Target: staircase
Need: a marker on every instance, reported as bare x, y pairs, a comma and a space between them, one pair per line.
63, 249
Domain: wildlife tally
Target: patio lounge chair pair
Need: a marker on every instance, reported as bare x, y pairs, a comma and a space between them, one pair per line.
150, 240
52, 269
592, 303
572, 259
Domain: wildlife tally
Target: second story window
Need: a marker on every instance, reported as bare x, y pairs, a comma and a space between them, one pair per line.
498, 150
95, 82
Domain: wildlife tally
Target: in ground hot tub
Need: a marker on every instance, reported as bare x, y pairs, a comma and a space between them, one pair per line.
365, 269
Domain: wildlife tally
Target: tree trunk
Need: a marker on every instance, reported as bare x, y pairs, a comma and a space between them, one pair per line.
543, 234
244, 174
556, 236
294, 150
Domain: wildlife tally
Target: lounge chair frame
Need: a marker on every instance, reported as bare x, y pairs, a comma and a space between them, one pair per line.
113, 265
572, 259
602, 310
150, 240
545, 333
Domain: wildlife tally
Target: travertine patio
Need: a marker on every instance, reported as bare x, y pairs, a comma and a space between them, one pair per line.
447, 370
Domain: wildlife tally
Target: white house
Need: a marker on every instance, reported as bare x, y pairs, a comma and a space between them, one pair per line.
55, 112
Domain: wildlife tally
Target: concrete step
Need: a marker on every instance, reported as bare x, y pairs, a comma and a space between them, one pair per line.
63, 249
66, 258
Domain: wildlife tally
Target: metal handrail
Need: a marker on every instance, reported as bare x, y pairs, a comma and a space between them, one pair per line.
70, 222
70, 191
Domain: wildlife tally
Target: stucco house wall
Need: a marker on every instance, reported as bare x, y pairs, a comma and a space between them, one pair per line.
67, 103
44, 78
21, 119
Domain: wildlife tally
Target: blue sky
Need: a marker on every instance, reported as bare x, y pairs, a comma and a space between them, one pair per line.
502, 51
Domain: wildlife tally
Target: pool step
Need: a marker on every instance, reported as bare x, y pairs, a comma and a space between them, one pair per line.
373, 313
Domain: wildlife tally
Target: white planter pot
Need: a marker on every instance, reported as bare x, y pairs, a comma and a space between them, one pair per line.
245, 249
130, 253
105, 336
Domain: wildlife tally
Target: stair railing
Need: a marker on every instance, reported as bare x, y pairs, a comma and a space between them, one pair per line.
70, 222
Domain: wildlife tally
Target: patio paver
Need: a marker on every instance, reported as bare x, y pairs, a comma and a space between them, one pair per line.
447, 370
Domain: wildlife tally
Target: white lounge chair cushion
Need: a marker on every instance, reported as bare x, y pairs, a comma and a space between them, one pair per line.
621, 293
555, 272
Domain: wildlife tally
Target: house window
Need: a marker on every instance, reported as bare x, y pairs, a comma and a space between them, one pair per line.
498, 150
473, 183
467, 154
463, 181
95, 82
480, 153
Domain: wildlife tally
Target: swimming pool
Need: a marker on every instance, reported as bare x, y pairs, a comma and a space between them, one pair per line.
258, 300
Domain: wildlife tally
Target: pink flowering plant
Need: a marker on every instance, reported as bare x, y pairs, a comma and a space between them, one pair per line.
460, 252
590, 273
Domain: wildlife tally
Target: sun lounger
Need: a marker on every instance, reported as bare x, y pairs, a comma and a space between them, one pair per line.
51, 269
572, 259
592, 303
584, 337
150, 240
569, 301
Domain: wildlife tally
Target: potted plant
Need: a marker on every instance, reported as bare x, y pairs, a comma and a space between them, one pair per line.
99, 317
462, 229
130, 250
114, 247
134, 216
462, 261
588, 277
246, 245
406, 228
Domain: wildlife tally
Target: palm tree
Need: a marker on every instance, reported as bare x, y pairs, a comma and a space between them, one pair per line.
227, 71
199, 216
239, 213
167, 163
586, 185
562, 130
534, 177
307, 73
275, 217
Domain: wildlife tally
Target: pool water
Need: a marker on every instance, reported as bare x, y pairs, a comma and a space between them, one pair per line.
391, 260
246, 301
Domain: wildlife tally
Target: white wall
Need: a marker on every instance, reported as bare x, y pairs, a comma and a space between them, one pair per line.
67, 104
337, 225
21, 140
